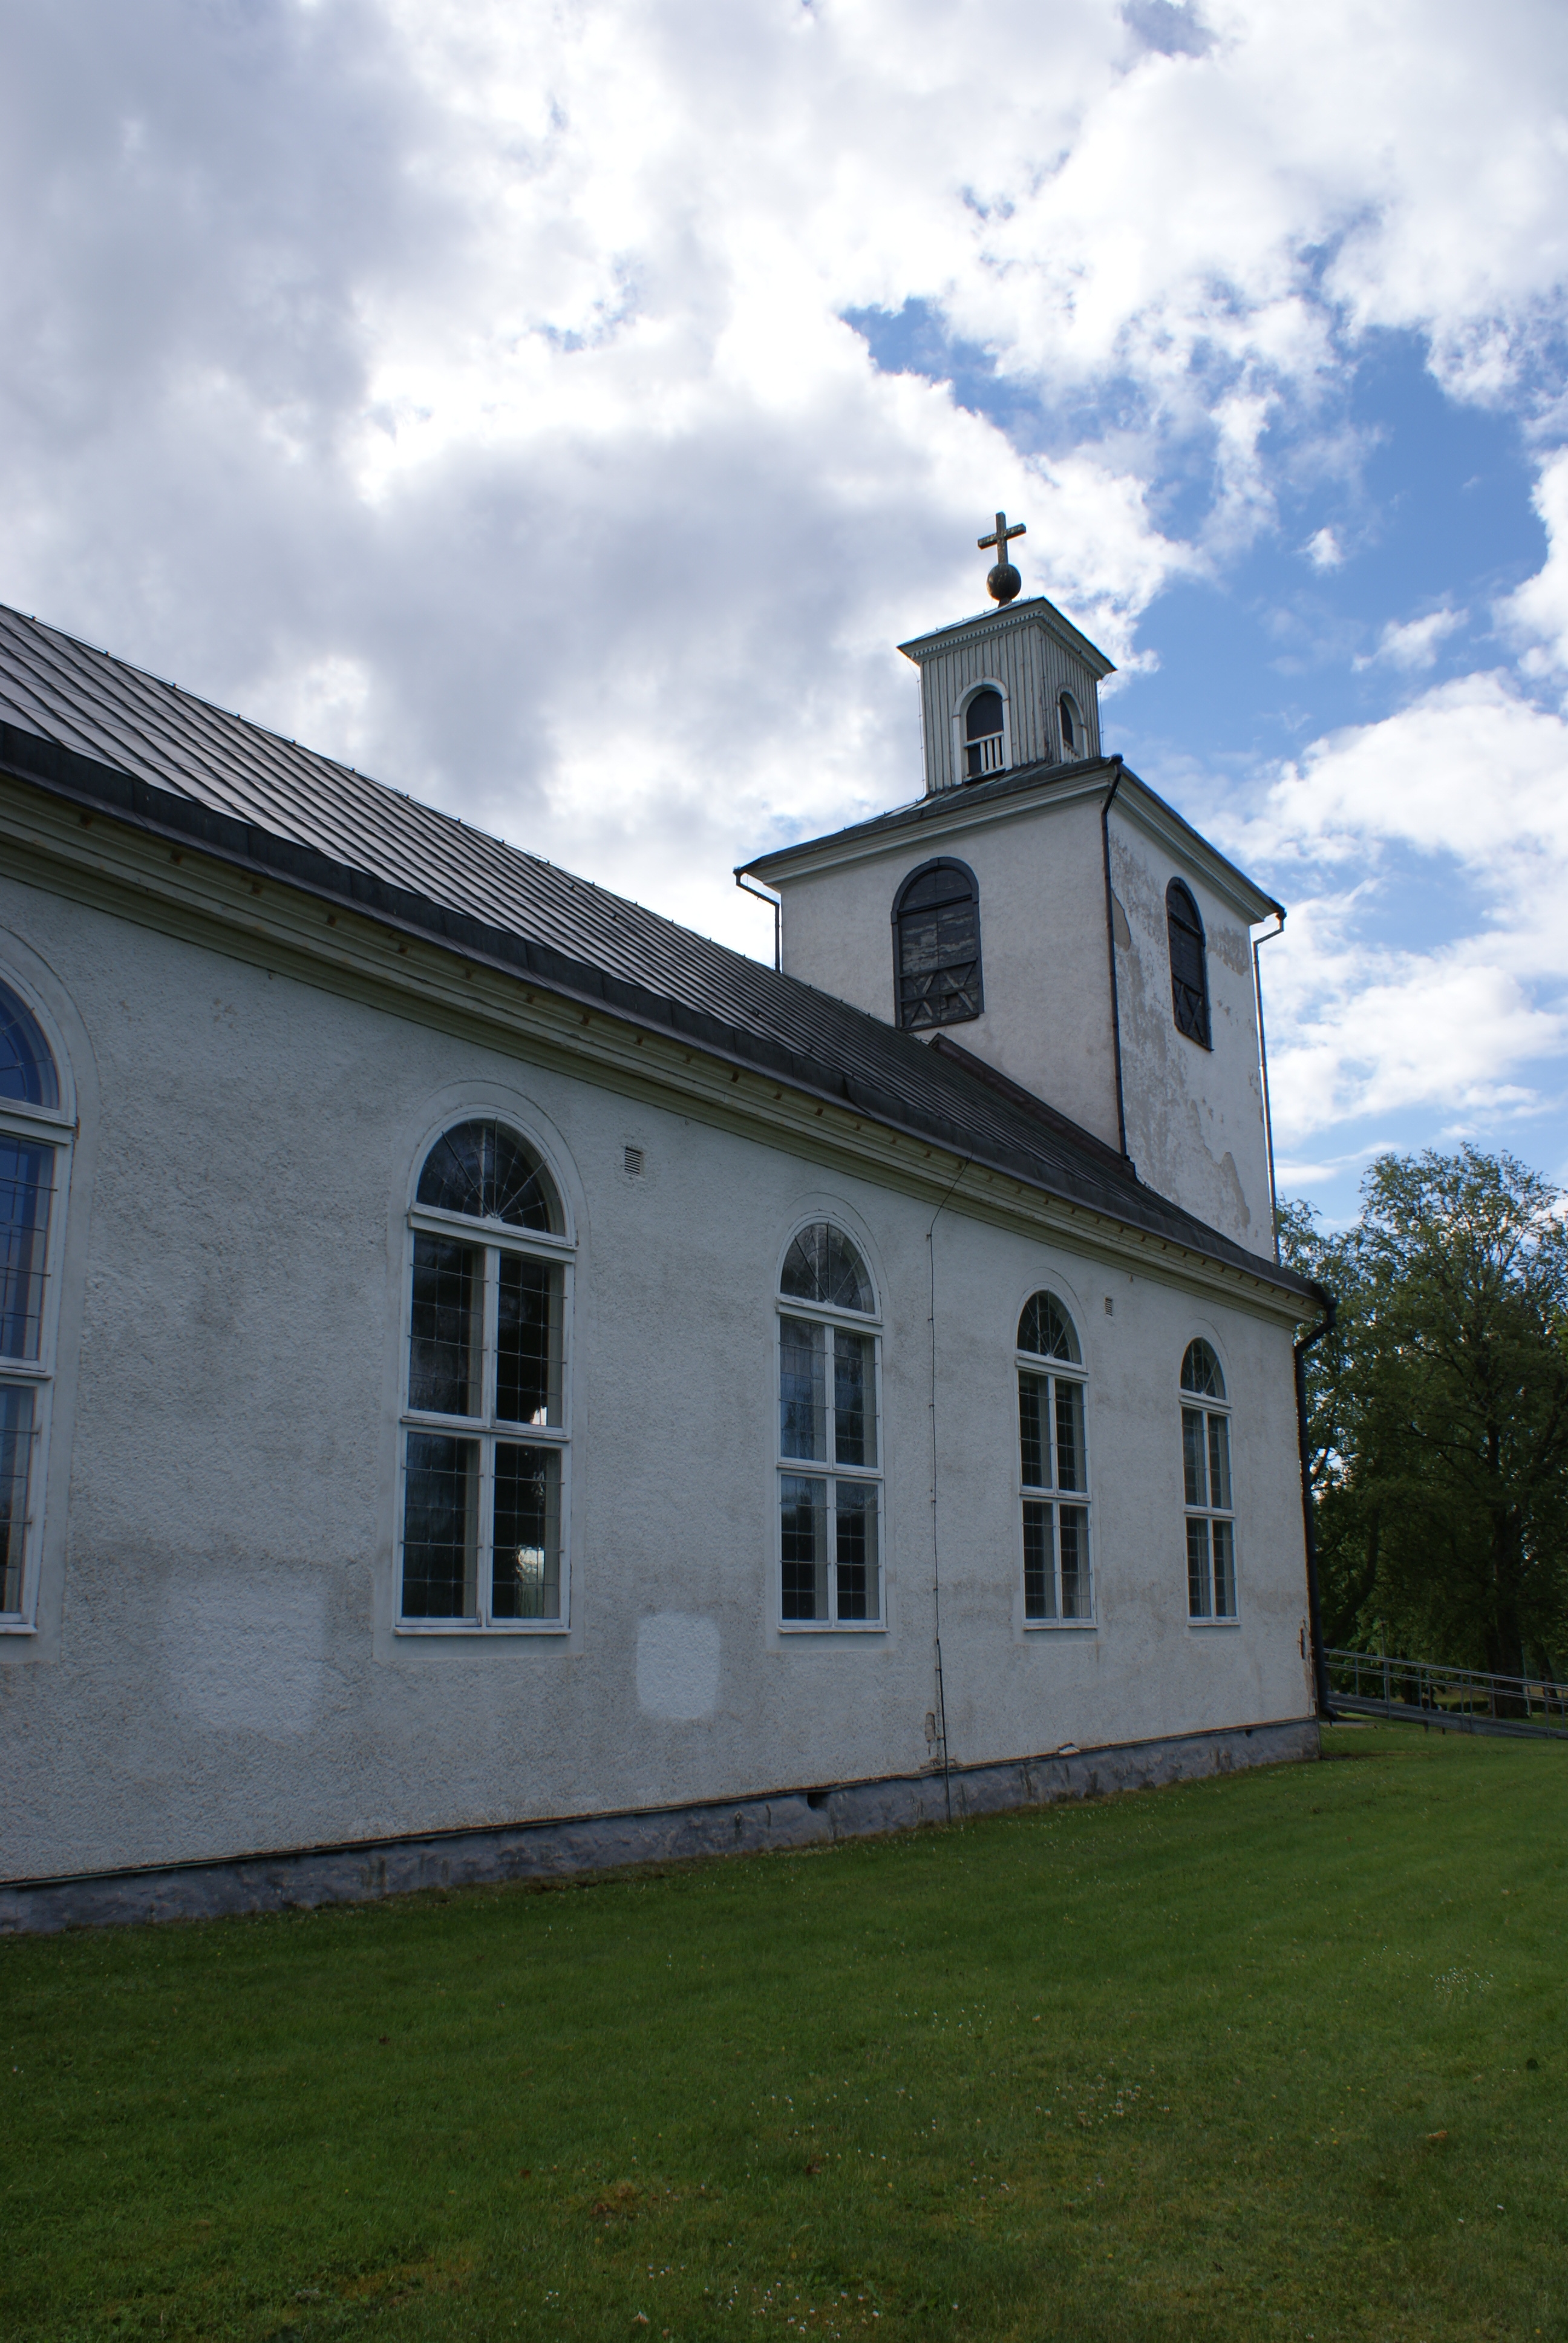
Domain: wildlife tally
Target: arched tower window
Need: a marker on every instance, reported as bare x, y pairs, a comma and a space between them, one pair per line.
484, 1400
984, 734
34, 1162
1074, 733
830, 1446
937, 946
1189, 964
1206, 1486
1053, 1464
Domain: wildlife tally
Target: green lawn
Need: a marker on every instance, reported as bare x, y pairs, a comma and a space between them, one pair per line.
1281, 2055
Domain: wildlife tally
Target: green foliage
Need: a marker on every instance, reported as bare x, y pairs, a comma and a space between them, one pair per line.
1271, 2055
1438, 1412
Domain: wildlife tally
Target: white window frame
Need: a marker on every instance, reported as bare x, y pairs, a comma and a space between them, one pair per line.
804, 1468
492, 1237
56, 1128
1202, 1404
960, 718
1050, 1372
1080, 748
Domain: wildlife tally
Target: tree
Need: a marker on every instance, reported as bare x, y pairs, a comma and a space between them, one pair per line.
1439, 1412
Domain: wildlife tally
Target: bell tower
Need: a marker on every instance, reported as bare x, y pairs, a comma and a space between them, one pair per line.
1014, 686
1042, 910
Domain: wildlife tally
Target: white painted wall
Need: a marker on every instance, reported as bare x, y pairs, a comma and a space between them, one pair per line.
1195, 1123
223, 1673
1040, 870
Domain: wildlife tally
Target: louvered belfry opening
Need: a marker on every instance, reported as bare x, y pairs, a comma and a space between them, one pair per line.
936, 927
984, 734
1188, 965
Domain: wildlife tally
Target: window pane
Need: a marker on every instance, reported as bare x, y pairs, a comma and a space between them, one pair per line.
982, 715
803, 1405
440, 1528
855, 1506
446, 1327
1224, 1570
1193, 1478
26, 1183
805, 1546
854, 1399
1038, 1564
26, 1068
1219, 1462
822, 1265
1046, 1327
526, 1567
15, 1456
1070, 1465
528, 1341
1072, 1525
1033, 1417
1199, 1601
1201, 1371
484, 1170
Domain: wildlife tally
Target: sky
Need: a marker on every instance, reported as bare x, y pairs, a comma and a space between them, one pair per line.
562, 411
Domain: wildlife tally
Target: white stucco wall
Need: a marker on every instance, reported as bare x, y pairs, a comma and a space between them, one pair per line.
1041, 872
218, 1669
1195, 1123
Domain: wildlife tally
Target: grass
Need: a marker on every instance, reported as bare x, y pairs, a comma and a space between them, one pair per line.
1276, 2055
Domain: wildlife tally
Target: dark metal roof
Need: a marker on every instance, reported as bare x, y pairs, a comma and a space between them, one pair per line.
85, 725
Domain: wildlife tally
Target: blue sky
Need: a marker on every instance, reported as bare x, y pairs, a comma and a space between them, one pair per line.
563, 413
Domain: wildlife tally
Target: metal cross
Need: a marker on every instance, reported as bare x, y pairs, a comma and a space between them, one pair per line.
1001, 535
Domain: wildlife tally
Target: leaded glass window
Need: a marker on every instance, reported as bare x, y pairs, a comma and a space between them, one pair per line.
1053, 1467
936, 947
830, 1435
35, 1155
1206, 1488
1189, 964
485, 1450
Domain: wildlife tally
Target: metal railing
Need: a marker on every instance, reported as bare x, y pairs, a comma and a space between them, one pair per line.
1454, 1700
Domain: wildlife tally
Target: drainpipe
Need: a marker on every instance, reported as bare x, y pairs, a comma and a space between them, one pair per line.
1329, 1307
1264, 1062
1111, 950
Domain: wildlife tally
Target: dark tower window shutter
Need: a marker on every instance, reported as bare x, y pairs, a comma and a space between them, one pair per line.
937, 946
1188, 965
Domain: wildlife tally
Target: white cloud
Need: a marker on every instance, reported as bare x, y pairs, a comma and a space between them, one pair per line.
1537, 614
1322, 549
1371, 1012
1414, 644
470, 386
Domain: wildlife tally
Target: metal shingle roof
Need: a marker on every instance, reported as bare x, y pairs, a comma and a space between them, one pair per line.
112, 719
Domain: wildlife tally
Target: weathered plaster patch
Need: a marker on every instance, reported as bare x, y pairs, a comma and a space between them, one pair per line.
677, 1654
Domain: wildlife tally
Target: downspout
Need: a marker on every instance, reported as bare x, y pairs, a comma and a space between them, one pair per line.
1264, 1061
746, 888
1329, 1307
1110, 952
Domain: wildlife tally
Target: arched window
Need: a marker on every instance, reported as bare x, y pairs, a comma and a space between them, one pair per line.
1189, 964
34, 1162
937, 946
830, 1448
1074, 731
485, 1399
1206, 1487
1053, 1466
984, 734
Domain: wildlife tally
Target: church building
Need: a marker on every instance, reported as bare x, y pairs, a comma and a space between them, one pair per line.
493, 1383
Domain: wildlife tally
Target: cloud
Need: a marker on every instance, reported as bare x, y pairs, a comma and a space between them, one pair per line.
1536, 615
1374, 1008
1414, 644
471, 389
1322, 549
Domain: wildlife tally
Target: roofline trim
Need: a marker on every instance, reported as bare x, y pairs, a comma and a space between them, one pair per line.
1037, 612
